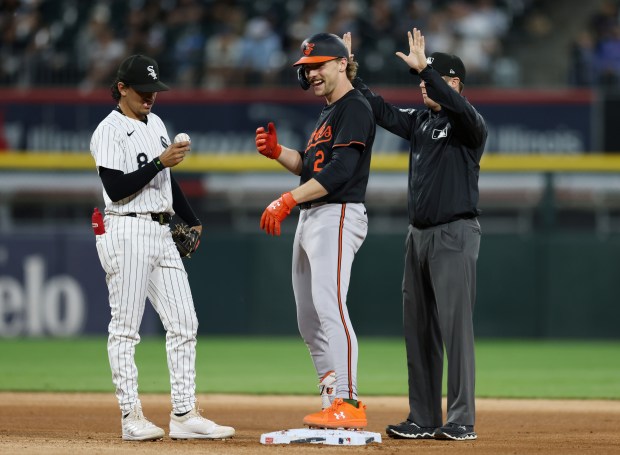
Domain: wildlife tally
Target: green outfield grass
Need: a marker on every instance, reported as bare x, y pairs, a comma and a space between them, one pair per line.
505, 368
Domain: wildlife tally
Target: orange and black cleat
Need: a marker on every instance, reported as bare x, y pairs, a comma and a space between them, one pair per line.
339, 415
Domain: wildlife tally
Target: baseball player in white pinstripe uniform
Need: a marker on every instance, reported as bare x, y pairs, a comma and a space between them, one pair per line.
133, 157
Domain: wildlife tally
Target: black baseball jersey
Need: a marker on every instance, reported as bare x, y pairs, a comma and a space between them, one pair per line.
445, 151
339, 149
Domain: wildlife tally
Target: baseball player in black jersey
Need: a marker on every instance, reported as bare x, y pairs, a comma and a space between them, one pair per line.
332, 223
439, 284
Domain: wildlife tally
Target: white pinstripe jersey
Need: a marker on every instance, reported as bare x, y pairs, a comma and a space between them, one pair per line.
125, 144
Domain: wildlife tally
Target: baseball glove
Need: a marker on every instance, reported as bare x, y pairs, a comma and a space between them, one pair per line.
186, 240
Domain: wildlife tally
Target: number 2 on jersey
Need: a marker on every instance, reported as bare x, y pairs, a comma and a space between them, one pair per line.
319, 157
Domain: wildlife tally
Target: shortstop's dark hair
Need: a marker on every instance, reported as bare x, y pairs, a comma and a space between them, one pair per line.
114, 89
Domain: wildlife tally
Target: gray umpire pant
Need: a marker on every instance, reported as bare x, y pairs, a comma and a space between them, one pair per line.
439, 292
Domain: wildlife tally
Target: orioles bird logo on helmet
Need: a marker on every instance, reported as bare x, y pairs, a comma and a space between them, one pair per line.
308, 47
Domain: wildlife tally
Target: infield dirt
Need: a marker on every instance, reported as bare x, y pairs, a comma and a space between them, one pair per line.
90, 423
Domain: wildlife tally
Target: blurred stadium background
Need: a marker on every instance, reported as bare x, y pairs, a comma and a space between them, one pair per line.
545, 74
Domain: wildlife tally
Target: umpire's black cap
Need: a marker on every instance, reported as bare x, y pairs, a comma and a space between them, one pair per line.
321, 48
141, 73
446, 65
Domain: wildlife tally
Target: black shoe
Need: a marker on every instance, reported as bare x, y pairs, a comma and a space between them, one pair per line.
409, 430
456, 432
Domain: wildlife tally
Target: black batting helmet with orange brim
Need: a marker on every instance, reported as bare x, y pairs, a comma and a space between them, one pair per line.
322, 47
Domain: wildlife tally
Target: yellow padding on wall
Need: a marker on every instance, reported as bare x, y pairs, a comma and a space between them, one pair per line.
395, 162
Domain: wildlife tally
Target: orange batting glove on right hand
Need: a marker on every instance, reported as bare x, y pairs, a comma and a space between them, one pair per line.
267, 142
275, 213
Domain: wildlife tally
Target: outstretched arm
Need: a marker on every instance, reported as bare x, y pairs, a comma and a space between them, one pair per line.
393, 119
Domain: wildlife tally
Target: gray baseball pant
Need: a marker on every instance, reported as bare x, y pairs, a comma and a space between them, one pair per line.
439, 292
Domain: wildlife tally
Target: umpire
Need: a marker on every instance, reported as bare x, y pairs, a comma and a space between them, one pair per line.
439, 284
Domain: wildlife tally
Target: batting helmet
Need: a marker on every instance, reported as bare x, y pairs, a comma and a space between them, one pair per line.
321, 48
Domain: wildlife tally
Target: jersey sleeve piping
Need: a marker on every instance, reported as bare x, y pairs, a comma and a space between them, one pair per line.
349, 144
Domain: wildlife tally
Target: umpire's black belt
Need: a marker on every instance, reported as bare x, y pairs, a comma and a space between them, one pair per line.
161, 218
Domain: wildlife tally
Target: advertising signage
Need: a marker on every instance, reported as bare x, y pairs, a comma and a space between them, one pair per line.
520, 122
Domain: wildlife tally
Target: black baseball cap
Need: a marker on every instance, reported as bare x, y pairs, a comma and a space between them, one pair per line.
322, 47
141, 73
446, 65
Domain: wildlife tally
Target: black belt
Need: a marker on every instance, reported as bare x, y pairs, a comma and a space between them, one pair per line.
311, 205
161, 218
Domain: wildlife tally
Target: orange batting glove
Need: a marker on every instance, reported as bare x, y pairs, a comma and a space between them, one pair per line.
267, 142
275, 213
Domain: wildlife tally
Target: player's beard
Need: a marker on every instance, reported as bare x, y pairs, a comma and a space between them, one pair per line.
326, 88
319, 90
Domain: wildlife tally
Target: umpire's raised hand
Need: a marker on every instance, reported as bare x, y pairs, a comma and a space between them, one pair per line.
416, 58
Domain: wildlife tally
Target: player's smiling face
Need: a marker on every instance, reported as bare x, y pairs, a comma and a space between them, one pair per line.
135, 104
323, 77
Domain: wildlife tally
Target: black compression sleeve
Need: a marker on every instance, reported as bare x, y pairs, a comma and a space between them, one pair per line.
340, 168
181, 206
119, 185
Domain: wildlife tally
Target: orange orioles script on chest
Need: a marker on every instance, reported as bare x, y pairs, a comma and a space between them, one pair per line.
322, 134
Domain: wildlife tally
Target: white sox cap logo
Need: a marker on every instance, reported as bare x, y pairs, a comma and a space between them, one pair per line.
152, 72
141, 73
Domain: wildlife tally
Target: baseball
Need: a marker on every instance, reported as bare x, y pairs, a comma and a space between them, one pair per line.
181, 137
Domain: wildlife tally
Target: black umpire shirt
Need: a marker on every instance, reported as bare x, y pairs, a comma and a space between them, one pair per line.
445, 151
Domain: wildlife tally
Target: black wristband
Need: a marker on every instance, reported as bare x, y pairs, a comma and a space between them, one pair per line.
157, 163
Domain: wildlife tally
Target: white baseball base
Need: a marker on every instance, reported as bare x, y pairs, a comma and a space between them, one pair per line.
320, 436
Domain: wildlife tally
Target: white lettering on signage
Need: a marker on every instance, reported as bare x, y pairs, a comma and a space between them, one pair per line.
38, 307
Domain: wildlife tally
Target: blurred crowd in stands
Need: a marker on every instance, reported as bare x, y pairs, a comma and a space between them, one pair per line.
595, 53
215, 44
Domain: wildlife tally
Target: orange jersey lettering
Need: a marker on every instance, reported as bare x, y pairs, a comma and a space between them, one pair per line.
320, 135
